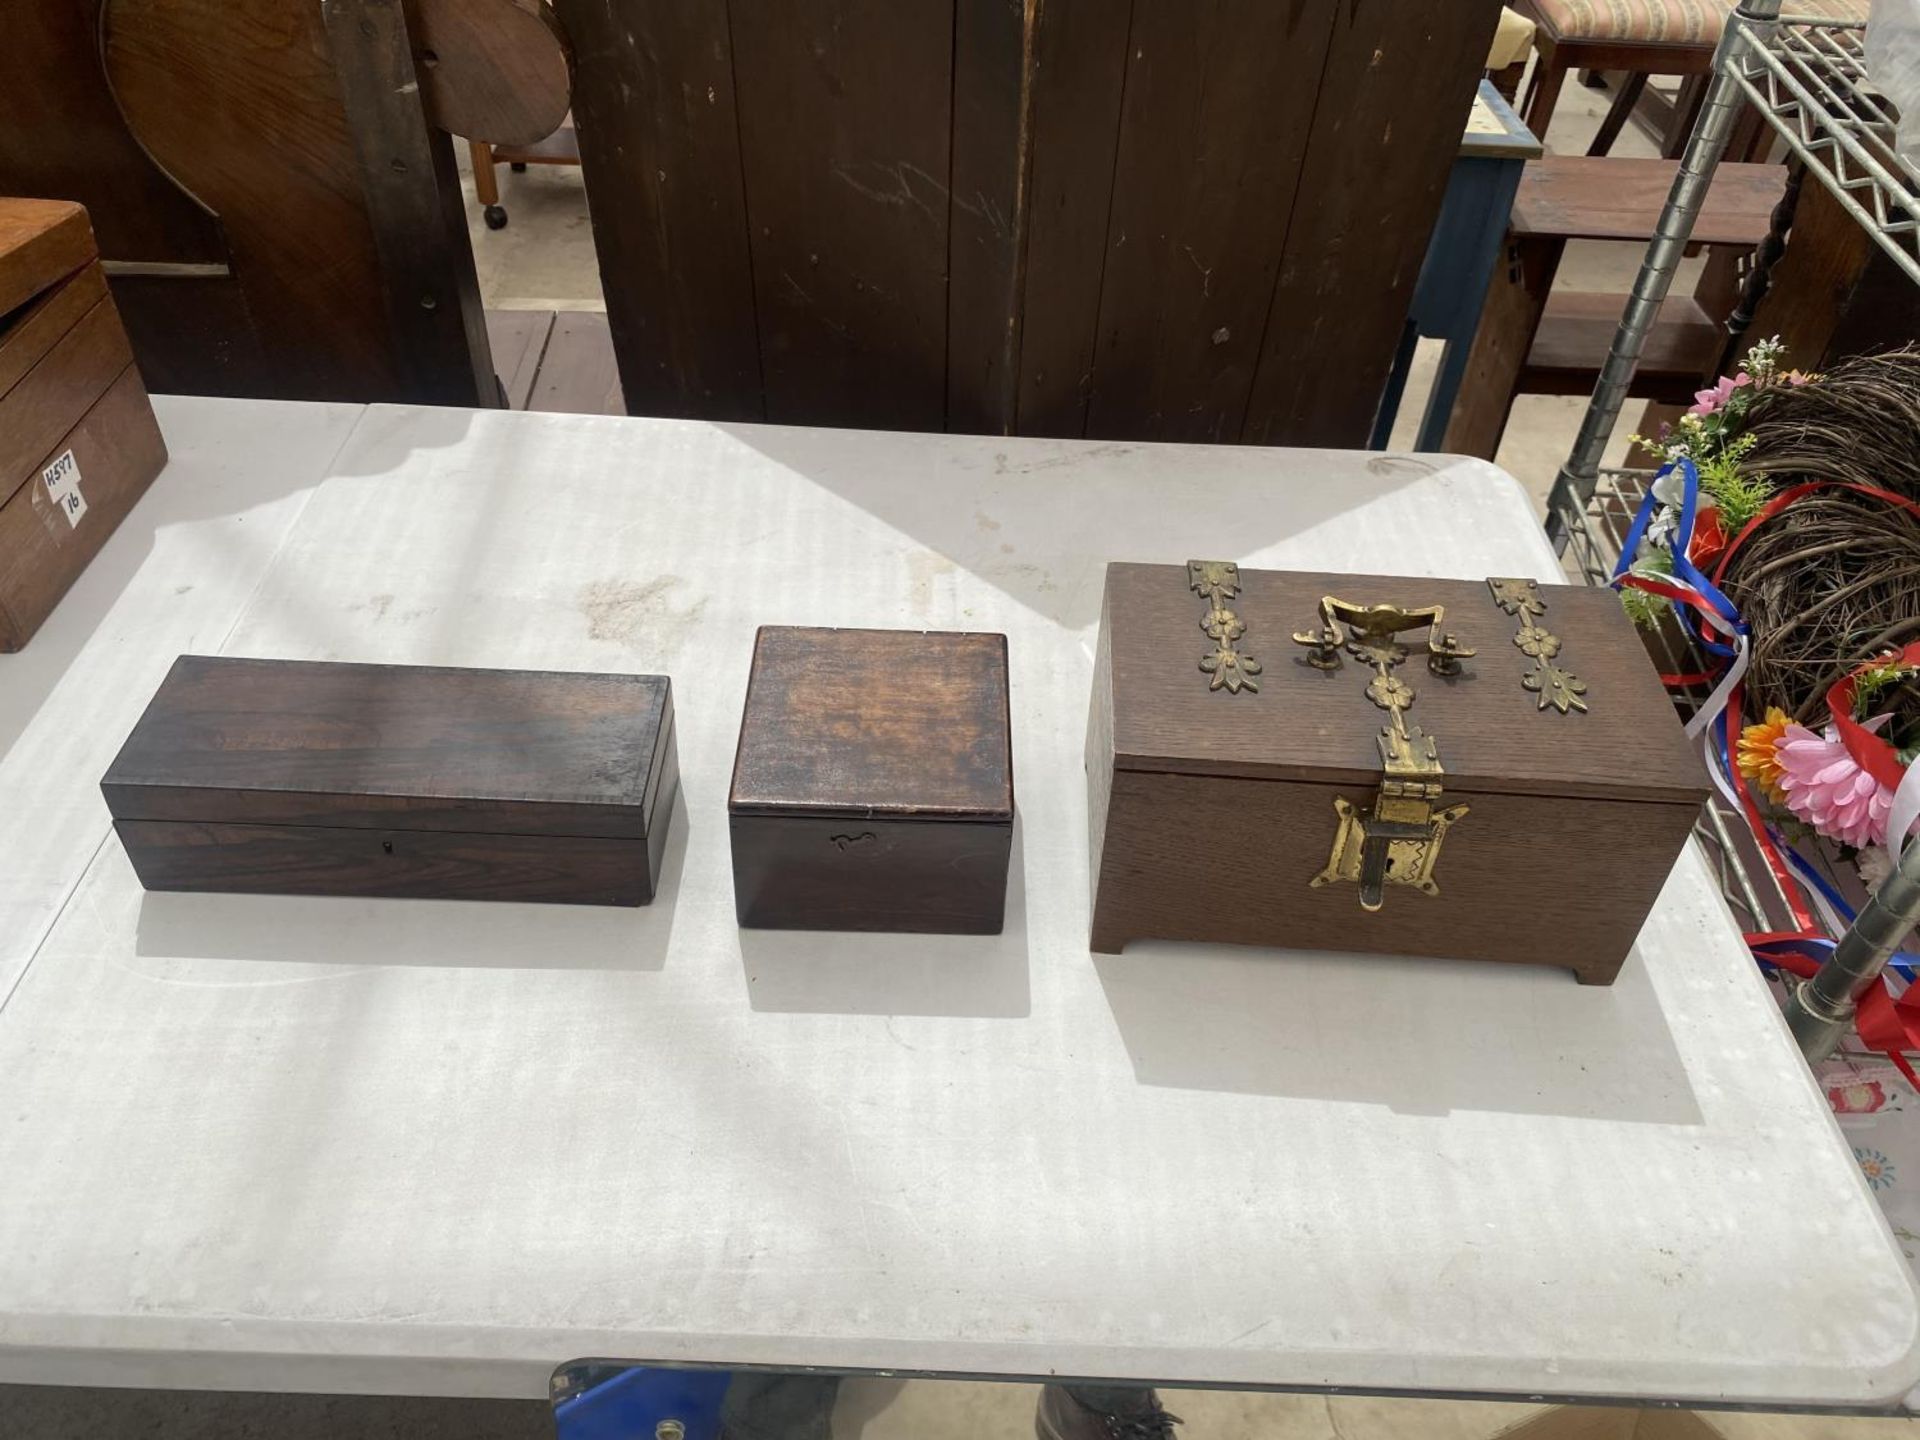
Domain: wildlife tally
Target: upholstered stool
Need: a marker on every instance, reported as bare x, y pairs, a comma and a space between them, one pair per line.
1640, 37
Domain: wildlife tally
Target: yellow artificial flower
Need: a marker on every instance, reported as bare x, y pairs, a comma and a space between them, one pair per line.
1757, 758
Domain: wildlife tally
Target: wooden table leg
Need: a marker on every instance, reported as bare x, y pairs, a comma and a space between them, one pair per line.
1515, 302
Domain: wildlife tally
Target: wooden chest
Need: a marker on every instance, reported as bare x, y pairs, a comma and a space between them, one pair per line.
78, 442
298, 778
1474, 770
873, 787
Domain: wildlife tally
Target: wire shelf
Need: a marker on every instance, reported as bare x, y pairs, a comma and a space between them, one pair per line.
1808, 77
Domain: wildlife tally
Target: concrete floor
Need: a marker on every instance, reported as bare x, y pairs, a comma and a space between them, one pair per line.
544, 259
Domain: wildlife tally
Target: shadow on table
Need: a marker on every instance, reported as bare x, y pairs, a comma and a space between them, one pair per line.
840, 973
1039, 519
1398, 1032
451, 934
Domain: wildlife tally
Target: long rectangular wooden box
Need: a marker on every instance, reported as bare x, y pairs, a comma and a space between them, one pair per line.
78, 441
1214, 810
312, 778
873, 786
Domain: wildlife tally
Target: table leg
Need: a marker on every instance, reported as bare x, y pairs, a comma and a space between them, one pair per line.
1396, 387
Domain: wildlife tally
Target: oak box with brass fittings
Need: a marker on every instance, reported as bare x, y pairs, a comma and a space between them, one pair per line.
1388, 776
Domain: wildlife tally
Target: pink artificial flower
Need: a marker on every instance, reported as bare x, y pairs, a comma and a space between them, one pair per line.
1708, 401
1826, 787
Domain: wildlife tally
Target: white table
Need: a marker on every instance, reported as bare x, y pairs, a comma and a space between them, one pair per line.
440, 1148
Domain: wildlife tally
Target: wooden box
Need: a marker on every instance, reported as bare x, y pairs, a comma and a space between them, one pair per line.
873, 787
78, 442
296, 778
1529, 833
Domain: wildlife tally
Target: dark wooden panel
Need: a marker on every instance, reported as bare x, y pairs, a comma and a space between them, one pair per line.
845, 139
393, 864
1219, 98
1310, 724
411, 191
1080, 66
939, 877
407, 746
238, 100
1509, 319
866, 722
56, 110
1400, 77
578, 374
987, 210
117, 450
518, 339
654, 106
1265, 841
197, 335
1582, 197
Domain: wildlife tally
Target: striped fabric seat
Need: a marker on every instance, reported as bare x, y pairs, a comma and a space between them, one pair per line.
1667, 22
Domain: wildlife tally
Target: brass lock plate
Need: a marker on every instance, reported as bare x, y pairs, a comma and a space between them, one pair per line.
1397, 839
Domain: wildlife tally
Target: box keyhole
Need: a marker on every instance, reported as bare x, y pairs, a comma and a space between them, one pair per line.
387, 846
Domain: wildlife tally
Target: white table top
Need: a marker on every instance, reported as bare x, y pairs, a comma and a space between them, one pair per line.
440, 1148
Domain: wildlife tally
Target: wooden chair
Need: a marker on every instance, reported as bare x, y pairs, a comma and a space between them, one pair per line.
562, 147
1534, 341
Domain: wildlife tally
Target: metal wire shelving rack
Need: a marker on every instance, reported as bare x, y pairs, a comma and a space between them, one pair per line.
1807, 77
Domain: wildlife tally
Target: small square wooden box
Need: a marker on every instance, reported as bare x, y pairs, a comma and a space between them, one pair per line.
873, 787
1215, 812
300, 778
78, 442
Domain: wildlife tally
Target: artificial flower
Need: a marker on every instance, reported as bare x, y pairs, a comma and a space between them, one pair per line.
1758, 754
1709, 537
1706, 402
1826, 786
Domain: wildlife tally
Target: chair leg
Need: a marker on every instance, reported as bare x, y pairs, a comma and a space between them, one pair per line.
1546, 94
486, 188
1686, 109
1618, 113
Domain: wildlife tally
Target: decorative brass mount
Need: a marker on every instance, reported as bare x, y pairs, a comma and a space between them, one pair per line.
1397, 841
1217, 582
1559, 688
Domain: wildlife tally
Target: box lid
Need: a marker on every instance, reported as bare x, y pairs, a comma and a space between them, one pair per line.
865, 724
401, 747
1318, 725
41, 241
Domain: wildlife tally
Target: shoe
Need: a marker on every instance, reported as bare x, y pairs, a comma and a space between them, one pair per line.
1061, 1417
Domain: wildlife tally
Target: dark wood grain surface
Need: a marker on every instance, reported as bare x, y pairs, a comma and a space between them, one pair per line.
63, 134
1219, 103
118, 450
397, 746
875, 723
394, 864
1523, 879
1308, 724
414, 205
1394, 95
491, 70
908, 876
1079, 74
1582, 197
655, 107
988, 187
844, 142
